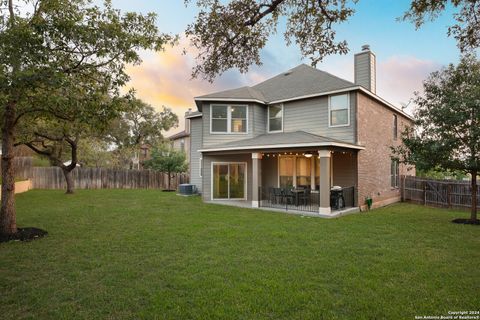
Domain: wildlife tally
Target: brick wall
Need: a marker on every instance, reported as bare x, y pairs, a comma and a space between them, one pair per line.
375, 132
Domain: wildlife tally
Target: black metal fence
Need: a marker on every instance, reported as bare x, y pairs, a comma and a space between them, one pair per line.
289, 199
349, 196
300, 199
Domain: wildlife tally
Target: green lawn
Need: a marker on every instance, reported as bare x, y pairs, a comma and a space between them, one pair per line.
136, 254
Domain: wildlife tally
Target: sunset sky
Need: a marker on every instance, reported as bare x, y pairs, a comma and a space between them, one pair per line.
404, 56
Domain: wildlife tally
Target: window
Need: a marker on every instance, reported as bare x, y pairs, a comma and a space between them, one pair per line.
219, 118
285, 172
275, 118
228, 119
394, 174
339, 110
229, 180
395, 127
304, 171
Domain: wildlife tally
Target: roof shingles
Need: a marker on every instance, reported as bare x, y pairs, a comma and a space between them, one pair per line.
300, 81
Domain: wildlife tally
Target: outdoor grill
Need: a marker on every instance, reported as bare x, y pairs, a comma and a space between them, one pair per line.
337, 200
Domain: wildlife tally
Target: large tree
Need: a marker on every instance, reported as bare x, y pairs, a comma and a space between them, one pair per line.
446, 131
139, 124
50, 44
230, 34
80, 112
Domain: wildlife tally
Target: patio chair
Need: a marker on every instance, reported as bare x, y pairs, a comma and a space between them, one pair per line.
289, 196
277, 195
304, 197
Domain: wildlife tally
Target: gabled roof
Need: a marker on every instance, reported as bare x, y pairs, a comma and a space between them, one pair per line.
282, 140
239, 93
300, 81
179, 135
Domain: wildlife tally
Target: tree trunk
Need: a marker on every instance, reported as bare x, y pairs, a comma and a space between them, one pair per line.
68, 178
8, 220
473, 214
168, 183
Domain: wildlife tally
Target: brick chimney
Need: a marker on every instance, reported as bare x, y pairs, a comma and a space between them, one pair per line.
365, 69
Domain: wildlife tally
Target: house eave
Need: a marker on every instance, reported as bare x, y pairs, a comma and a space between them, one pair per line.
281, 146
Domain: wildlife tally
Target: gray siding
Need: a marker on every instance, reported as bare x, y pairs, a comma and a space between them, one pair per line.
207, 171
259, 119
365, 70
195, 144
311, 115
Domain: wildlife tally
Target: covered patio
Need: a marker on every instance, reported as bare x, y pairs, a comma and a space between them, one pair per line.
293, 177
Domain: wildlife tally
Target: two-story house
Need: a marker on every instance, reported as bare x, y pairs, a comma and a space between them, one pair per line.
304, 129
181, 140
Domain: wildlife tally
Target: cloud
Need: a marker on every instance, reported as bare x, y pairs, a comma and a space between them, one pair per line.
398, 77
164, 78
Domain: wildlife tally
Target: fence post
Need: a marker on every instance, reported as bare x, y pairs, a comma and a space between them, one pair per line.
424, 193
449, 191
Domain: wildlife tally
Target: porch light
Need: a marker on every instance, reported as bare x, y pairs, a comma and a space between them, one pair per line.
308, 155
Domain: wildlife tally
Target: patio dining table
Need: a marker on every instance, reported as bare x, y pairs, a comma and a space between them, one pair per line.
296, 193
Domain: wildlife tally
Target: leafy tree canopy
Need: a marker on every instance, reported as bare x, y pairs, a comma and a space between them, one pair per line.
446, 132
50, 45
230, 34
139, 123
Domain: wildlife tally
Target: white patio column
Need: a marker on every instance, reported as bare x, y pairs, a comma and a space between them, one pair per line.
256, 178
325, 158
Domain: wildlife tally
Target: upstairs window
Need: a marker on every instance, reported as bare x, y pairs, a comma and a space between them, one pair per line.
228, 119
275, 118
238, 118
395, 127
339, 110
219, 118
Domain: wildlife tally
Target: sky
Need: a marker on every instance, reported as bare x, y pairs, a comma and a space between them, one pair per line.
405, 56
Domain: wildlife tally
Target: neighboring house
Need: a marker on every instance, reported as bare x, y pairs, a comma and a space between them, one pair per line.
304, 127
181, 141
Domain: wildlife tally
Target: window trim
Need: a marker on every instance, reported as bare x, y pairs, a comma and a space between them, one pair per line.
229, 118
268, 117
348, 111
229, 163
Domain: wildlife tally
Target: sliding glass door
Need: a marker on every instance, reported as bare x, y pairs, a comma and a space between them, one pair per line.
228, 180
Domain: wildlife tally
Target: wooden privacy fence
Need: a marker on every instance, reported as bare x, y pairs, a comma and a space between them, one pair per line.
23, 167
438, 193
102, 178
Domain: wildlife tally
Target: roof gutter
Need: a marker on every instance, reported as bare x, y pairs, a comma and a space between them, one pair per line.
291, 145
